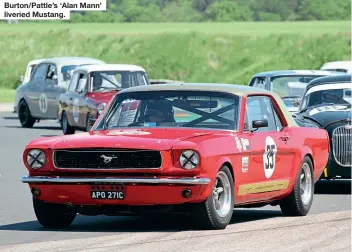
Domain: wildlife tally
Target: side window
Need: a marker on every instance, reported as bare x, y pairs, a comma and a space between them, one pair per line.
258, 82
51, 72
40, 72
278, 122
259, 108
73, 83
82, 83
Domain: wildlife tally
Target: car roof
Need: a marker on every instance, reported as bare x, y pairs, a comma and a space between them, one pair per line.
337, 64
35, 61
292, 72
236, 89
110, 67
73, 60
330, 80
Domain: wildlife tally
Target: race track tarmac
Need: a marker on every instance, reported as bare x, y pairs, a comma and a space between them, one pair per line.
326, 228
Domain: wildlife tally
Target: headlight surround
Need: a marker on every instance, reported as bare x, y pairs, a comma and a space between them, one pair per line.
36, 158
189, 159
101, 107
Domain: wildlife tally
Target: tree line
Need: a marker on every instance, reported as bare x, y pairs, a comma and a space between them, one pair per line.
216, 10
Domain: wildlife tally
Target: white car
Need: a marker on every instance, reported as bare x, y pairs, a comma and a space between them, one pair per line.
338, 66
30, 67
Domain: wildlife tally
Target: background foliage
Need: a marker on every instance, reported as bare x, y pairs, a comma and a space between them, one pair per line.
217, 10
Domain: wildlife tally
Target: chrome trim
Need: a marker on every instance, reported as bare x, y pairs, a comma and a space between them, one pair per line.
111, 169
61, 180
340, 140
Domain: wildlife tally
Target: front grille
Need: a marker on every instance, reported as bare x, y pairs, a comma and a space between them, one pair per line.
107, 159
342, 146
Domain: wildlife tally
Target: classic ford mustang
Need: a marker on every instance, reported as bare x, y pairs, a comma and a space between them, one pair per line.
327, 104
199, 148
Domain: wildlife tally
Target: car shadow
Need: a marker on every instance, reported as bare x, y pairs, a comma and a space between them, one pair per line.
10, 117
338, 186
36, 127
174, 223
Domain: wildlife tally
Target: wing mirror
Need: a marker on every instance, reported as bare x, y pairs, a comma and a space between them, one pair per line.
21, 78
259, 124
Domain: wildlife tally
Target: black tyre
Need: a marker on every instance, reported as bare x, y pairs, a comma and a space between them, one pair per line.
67, 129
52, 215
88, 127
24, 115
300, 200
216, 212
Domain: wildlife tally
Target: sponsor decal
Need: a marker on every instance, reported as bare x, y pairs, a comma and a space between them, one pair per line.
245, 144
75, 110
238, 143
327, 109
127, 132
269, 156
43, 103
244, 164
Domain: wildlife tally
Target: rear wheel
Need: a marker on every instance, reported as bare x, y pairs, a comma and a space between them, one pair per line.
300, 200
24, 115
216, 212
52, 215
67, 129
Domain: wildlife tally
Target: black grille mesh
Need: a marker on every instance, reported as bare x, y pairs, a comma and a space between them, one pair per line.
114, 159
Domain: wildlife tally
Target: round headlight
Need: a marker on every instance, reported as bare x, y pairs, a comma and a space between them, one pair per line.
189, 159
101, 107
36, 159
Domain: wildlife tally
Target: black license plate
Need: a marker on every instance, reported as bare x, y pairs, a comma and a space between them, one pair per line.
114, 195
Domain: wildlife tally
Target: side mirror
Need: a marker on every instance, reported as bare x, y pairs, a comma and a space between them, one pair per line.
91, 121
21, 78
259, 124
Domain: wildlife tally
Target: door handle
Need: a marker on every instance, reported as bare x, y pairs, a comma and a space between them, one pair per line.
284, 138
71, 98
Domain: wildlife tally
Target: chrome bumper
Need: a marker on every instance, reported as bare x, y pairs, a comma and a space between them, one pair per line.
60, 180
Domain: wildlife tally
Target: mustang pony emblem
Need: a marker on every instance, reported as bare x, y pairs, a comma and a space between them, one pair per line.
107, 159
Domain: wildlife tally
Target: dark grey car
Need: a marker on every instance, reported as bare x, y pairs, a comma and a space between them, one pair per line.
38, 98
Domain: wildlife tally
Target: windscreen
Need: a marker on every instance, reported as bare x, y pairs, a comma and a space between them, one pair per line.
291, 86
194, 109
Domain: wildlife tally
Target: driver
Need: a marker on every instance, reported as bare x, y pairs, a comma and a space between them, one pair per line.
97, 81
158, 112
333, 96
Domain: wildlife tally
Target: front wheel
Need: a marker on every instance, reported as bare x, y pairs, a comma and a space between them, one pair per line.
25, 116
52, 215
216, 212
300, 200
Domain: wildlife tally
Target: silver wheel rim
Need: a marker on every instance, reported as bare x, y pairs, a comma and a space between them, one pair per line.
306, 184
222, 194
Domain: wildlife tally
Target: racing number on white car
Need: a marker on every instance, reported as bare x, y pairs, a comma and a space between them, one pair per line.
43, 103
269, 156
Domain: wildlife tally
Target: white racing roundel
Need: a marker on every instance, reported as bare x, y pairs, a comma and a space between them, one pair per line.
43, 103
269, 156
75, 110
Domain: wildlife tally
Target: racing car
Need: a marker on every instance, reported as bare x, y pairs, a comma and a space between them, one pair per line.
198, 148
91, 88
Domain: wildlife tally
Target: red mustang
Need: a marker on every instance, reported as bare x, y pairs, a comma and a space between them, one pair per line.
202, 148
91, 88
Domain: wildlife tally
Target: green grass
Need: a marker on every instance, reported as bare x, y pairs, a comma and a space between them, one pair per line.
230, 28
7, 95
231, 53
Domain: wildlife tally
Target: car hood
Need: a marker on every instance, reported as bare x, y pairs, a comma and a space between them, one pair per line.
325, 115
102, 97
151, 138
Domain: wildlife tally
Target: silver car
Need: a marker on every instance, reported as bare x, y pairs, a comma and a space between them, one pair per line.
38, 98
